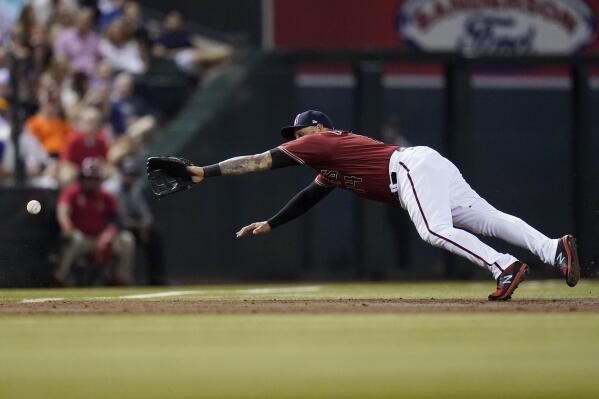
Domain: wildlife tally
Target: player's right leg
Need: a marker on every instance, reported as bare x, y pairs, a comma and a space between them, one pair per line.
478, 216
424, 188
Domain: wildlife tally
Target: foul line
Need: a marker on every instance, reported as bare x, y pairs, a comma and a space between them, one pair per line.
36, 300
165, 294
145, 296
289, 290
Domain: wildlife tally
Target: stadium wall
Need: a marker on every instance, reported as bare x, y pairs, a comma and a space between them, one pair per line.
521, 149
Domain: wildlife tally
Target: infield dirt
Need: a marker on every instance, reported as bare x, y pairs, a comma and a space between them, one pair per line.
315, 306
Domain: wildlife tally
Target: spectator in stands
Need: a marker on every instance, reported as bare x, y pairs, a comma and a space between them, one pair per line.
40, 52
49, 126
23, 29
44, 137
124, 109
136, 217
88, 141
136, 27
79, 45
70, 87
87, 217
174, 36
120, 50
63, 18
175, 42
30, 49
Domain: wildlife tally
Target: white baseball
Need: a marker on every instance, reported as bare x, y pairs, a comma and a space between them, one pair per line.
34, 207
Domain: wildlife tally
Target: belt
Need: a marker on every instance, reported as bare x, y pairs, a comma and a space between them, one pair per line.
393, 175
394, 184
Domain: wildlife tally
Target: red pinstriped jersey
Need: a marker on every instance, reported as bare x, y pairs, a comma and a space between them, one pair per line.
346, 160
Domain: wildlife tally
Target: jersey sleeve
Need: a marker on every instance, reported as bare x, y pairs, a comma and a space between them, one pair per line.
312, 149
280, 159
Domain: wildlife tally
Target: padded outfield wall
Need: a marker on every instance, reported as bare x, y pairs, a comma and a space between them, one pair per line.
521, 151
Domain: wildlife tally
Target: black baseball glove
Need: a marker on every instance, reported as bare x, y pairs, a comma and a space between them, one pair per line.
168, 175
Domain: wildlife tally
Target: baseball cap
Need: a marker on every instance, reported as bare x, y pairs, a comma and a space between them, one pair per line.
305, 119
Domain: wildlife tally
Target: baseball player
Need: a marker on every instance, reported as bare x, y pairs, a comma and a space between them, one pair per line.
442, 206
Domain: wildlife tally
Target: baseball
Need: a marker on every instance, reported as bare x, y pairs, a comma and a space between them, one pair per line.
34, 207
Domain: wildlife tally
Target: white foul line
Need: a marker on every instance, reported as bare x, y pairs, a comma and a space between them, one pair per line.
156, 295
38, 300
165, 294
281, 290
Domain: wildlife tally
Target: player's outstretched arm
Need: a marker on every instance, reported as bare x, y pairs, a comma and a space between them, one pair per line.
272, 159
296, 207
168, 175
233, 166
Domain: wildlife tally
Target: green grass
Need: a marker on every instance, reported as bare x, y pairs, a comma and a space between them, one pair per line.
455, 355
551, 289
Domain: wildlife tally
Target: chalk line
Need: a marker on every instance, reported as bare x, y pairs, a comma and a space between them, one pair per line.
166, 294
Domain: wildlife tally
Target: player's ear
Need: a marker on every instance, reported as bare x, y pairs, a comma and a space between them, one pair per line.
320, 127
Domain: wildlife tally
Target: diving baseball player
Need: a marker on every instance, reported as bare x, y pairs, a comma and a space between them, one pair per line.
442, 206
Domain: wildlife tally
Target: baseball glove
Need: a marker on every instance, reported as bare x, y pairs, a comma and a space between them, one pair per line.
168, 175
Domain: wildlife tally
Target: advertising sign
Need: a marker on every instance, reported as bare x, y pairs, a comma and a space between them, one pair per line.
497, 26
556, 27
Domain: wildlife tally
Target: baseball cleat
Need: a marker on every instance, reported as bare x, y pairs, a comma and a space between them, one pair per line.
508, 281
566, 259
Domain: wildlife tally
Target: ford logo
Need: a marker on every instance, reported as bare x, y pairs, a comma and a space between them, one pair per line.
504, 27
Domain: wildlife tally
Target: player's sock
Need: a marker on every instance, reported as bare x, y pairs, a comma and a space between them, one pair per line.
504, 262
550, 251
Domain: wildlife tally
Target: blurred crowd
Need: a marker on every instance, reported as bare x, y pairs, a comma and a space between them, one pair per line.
71, 68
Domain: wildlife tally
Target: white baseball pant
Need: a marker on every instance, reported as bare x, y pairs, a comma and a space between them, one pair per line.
443, 206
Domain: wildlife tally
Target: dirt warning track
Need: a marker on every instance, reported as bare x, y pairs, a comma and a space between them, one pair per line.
316, 306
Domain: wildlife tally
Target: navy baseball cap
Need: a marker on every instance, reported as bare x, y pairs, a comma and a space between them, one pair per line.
305, 119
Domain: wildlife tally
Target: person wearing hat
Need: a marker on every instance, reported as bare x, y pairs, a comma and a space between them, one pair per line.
444, 209
87, 216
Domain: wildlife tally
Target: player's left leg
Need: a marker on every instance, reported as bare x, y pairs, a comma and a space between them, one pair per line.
475, 214
482, 218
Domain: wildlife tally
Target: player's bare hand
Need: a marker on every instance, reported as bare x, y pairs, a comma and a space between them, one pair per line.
253, 229
196, 173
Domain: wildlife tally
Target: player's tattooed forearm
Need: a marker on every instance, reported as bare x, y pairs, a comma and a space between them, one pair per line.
246, 164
